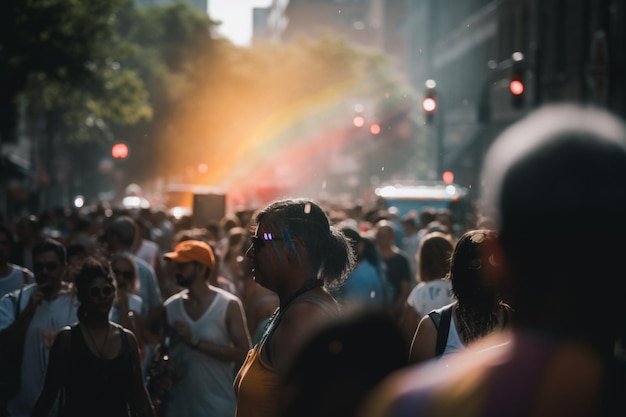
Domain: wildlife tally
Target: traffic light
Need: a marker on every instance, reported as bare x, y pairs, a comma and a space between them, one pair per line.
119, 151
429, 103
358, 120
517, 87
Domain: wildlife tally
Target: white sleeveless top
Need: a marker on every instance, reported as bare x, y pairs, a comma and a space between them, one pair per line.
203, 384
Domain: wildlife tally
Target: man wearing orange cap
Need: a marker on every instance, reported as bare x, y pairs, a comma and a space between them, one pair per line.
208, 333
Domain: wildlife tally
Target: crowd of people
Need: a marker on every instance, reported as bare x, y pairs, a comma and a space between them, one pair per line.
302, 309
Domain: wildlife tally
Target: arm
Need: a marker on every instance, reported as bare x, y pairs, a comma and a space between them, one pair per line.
140, 403
239, 334
56, 374
409, 319
424, 342
404, 289
14, 334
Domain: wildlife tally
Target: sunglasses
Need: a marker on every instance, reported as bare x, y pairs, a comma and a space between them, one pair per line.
125, 274
259, 241
106, 291
50, 266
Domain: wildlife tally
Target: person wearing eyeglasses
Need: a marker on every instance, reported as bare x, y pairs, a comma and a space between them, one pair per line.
30, 319
478, 308
208, 336
94, 364
128, 308
295, 252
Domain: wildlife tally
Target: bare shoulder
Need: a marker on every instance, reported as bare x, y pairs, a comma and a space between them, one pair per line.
310, 312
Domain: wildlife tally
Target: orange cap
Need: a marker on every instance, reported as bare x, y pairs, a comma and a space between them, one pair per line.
192, 250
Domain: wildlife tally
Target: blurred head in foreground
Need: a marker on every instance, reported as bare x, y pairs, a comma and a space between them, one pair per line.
555, 184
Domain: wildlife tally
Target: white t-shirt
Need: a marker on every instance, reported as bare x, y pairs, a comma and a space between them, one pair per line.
429, 295
16, 279
49, 318
148, 251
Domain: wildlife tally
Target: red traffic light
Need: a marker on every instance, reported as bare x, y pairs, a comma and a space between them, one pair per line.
429, 104
119, 151
516, 87
448, 177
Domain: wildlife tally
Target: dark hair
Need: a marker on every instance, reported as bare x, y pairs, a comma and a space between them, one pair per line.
476, 299
92, 269
76, 249
50, 245
8, 233
124, 228
329, 251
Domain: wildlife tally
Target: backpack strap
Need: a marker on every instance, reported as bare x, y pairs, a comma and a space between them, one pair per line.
441, 318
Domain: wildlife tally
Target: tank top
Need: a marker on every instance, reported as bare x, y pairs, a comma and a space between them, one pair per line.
97, 387
257, 383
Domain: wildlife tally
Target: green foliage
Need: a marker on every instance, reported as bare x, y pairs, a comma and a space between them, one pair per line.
60, 58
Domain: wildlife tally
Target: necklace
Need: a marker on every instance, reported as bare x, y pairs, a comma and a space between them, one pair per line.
99, 351
275, 318
309, 285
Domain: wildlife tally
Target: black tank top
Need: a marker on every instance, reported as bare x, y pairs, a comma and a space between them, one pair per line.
98, 387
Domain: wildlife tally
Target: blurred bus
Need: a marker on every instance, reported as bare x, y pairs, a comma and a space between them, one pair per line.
404, 198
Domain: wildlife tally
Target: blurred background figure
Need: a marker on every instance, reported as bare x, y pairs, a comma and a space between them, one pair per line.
12, 277
433, 289
28, 233
128, 309
363, 287
397, 266
77, 253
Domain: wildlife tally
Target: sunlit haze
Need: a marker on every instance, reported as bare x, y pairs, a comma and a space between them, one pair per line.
236, 18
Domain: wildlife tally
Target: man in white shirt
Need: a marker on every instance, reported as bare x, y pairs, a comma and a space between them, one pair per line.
31, 317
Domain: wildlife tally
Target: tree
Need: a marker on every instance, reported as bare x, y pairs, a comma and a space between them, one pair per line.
59, 57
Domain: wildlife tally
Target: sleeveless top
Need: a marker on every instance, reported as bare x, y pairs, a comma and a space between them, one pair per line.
202, 384
94, 386
257, 384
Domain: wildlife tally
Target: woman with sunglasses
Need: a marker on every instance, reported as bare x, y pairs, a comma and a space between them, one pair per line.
128, 309
478, 308
295, 252
94, 363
